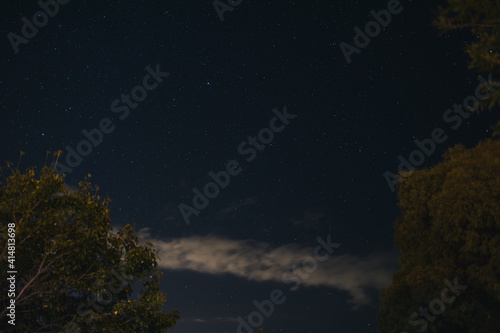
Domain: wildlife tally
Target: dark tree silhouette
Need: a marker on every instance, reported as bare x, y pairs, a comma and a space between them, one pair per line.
74, 273
482, 20
449, 229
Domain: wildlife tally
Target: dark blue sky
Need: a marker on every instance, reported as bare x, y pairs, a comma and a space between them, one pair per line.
321, 175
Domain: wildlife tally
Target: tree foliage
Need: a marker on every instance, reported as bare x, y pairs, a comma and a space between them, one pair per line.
74, 272
449, 227
482, 20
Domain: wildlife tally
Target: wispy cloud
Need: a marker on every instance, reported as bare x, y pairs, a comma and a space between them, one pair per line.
231, 211
259, 261
208, 320
309, 220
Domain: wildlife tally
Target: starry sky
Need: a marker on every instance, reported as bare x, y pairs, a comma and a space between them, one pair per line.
319, 178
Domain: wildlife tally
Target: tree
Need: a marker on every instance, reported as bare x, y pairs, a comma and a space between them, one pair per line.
482, 20
73, 271
449, 230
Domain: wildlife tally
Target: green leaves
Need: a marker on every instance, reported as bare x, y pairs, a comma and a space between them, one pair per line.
69, 258
482, 20
496, 130
449, 227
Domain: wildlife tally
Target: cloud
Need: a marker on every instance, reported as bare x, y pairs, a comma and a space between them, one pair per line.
310, 220
208, 320
231, 211
259, 261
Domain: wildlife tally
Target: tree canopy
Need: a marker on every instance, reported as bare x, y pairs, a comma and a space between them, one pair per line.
449, 229
74, 271
482, 20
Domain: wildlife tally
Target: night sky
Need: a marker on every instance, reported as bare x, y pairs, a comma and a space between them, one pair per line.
320, 175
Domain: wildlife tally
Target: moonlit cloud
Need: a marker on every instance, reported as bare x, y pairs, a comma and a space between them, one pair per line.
260, 261
208, 320
309, 220
230, 211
